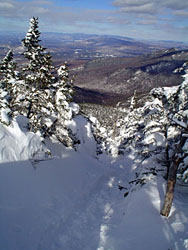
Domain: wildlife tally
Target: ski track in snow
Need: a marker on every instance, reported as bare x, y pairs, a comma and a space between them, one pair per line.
91, 215
88, 219
72, 202
98, 213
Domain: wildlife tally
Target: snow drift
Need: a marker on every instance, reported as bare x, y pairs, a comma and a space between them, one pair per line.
18, 145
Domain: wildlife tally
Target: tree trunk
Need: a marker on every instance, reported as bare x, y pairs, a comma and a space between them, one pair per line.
29, 109
170, 188
167, 151
172, 179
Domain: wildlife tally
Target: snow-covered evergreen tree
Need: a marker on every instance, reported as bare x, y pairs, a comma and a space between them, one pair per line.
180, 120
39, 97
41, 113
39, 68
8, 88
5, 111
47, 98
8, 66
175, 103
100, 134
65, 83
133, 102
63, 98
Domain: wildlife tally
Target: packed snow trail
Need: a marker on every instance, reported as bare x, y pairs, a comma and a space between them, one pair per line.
72, 201
89, 218
90, 214
37, 204
103, 220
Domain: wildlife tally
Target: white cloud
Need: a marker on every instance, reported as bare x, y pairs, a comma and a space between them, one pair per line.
122, 3
6, 6
175, 4
147, 22
150, 6
118, 20
42, 2
159, 17
145, 8
181, 13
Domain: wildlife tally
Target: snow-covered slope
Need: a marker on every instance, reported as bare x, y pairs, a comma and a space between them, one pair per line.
72, 200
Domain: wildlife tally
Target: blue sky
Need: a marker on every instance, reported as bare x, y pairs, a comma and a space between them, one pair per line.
140, 19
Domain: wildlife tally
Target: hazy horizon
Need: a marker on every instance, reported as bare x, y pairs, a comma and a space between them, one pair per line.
143, 19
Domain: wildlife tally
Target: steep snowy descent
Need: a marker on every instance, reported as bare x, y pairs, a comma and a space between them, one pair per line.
72, 200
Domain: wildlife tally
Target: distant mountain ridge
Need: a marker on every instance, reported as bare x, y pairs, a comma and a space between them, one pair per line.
118, 78
108, 69
68, 46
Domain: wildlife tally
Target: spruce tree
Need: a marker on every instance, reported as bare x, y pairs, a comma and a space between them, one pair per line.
8, 67
63, 97
8, 88
47, 99
133, 103
65, 83
39, 98
39, 68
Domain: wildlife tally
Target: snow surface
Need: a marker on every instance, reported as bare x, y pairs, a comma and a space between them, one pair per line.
17, 145
71, 201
